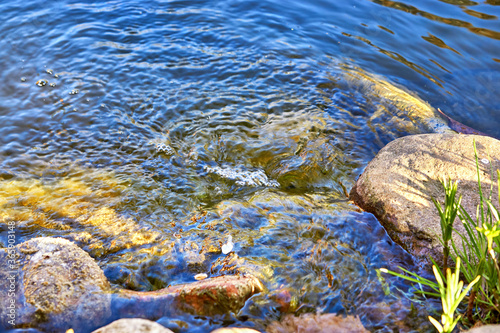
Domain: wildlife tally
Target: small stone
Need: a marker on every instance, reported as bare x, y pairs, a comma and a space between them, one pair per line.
133, 325
234, 330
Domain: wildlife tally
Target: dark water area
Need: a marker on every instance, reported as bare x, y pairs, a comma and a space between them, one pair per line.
147, 132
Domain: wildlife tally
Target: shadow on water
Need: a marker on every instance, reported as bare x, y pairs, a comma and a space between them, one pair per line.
149, 132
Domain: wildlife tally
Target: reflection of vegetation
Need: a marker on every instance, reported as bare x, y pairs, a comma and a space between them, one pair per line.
479, 253
454, 22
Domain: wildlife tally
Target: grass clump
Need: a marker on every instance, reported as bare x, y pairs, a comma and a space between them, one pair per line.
479, 254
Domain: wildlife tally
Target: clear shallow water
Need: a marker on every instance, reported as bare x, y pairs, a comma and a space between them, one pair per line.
174, 124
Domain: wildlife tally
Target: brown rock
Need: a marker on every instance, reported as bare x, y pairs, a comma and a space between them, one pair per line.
398, 184
284, 299
57, 286
212, 296
317, 323
133, 325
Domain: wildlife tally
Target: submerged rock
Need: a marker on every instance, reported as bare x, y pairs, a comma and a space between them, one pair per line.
317, 323
314, 164
133, 325
398, 184
396, 108
56, 286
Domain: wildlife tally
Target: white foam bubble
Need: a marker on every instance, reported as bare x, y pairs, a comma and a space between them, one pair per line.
243, 177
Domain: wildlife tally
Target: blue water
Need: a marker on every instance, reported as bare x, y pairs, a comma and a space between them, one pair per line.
181, 122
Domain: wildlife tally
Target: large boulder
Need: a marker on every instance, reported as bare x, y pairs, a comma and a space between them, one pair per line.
398, 184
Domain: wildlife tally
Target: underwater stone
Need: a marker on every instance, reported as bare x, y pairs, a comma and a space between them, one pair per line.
398, 184
317, 164
397, 108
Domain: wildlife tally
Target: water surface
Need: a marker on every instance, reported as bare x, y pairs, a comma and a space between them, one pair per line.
149, 131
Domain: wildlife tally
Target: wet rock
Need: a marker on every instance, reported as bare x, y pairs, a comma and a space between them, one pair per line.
284, 299
208, 297
485, 329
315, 163
317, 323
133, 325
57, 286
398, 184
397, 109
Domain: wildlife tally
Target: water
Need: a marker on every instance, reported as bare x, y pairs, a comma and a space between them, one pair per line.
150, 131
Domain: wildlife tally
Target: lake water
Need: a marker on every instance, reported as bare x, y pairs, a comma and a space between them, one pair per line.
149, 131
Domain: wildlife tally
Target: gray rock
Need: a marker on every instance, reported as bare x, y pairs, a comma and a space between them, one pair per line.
486, 329
133, 325
53, 278
398, 184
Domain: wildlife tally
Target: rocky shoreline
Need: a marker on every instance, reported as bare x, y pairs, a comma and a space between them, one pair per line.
62, 286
